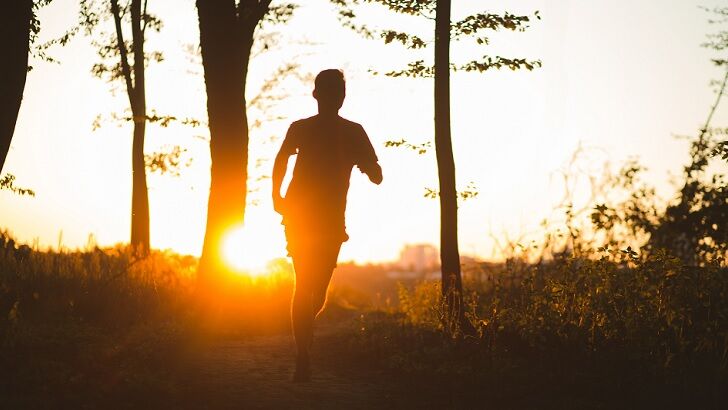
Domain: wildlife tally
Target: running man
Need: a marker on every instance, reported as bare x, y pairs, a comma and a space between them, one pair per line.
327, 148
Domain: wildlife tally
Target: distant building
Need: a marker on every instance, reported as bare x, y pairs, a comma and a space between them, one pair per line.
422, 261
419, 258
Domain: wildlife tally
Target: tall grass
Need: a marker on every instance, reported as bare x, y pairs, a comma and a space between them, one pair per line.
644, 332
112, 288
100, 327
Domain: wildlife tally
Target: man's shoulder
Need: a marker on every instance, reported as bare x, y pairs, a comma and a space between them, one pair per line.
347, 124
353, 129
302, 122
351, 124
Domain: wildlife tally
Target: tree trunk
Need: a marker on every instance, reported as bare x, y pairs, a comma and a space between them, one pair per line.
225, 54
140, 194
449, 253
15, 16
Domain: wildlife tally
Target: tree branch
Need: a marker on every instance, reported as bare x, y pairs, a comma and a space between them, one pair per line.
721, 91
125, 68
498, 62
138, 49
144, 18
487, 21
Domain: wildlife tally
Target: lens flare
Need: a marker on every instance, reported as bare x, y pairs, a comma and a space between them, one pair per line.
244, 254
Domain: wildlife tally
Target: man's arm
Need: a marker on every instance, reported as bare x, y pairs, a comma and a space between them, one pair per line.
280, 166
373, 171
368, 162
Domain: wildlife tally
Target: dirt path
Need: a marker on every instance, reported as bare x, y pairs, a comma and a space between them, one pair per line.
255, 373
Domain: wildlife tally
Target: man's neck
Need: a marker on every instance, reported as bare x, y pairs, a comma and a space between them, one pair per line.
326, 112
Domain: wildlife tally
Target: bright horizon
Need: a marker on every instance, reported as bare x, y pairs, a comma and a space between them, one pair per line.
625, 90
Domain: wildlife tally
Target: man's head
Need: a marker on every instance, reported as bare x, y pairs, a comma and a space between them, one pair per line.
330, 90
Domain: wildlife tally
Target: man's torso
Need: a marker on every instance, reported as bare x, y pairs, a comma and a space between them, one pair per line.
327, 149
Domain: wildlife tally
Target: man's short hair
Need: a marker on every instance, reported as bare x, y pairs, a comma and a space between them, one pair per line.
330, 80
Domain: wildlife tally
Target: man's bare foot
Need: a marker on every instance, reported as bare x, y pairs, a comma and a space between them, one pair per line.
303, 369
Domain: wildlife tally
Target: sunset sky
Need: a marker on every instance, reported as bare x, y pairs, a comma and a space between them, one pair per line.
620, 77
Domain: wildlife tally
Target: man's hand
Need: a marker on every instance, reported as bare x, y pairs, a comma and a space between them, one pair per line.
373, 171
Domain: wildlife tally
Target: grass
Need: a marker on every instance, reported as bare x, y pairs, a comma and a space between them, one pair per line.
81, 366
613, 331
89, 328
571, 333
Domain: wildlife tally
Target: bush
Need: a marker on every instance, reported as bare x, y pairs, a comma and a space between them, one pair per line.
114, 289
656, 325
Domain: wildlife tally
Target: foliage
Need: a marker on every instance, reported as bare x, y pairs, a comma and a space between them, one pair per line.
35, 22
7, 182
629, 220
114, 288
690, 226
469, 27
421, 149
117, 66
167, 162
116, 55
666, 314
655, 322
278, 14
40, 50
718, 41
693, 227
721, 150
470, 191
73, 365
623, 211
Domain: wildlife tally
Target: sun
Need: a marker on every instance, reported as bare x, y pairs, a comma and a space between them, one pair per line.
245, 252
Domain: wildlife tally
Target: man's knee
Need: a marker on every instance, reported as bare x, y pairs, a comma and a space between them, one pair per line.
320, 292
319, 300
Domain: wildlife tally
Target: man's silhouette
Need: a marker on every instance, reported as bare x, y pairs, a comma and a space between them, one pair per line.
327, 148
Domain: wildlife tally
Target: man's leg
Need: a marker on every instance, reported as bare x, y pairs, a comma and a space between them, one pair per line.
313, 274
302, 316
319, 296
326, 266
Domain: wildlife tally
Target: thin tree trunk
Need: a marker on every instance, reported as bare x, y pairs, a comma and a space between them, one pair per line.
15, 16
140, 193
225, 64
135, 89
449, 253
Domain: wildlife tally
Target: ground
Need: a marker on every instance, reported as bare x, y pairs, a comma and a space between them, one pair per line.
255, 373
158, 366
146, 370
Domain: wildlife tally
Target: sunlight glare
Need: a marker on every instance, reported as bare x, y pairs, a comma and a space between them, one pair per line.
244, 253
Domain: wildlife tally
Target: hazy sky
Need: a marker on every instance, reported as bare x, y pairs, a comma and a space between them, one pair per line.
619, 75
